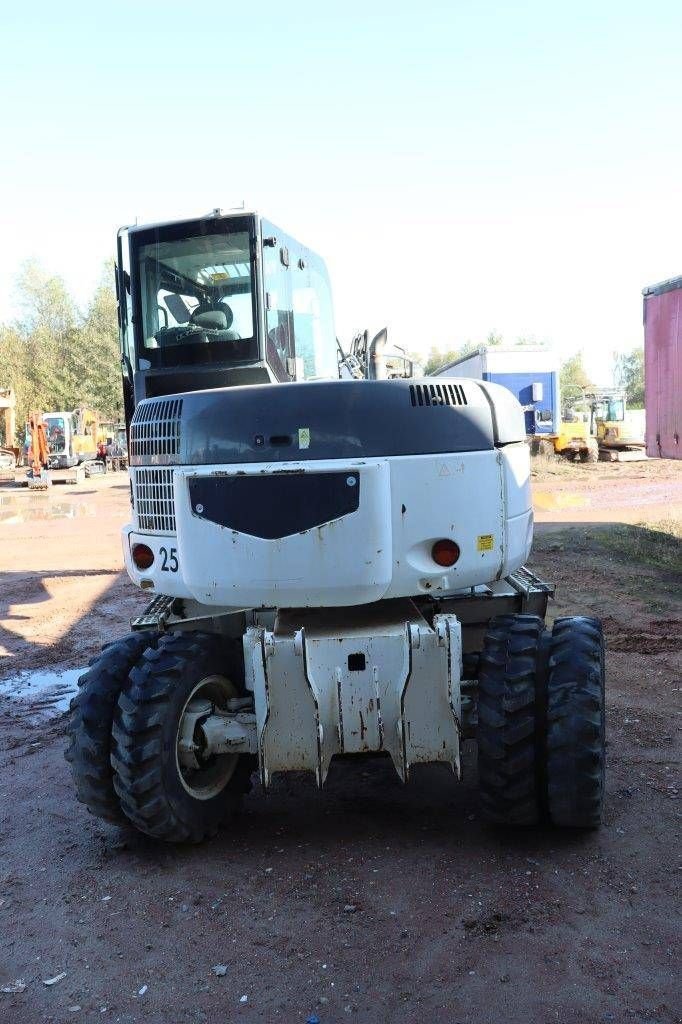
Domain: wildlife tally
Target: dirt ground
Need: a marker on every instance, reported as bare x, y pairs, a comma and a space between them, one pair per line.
368, 901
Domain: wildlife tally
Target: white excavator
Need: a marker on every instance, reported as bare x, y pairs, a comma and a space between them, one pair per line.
335, 566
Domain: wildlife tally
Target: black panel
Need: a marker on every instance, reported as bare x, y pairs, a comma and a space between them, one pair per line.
274, 505
339, 420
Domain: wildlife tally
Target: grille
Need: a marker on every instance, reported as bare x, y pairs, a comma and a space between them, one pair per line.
154, 500
155, 430
437, 394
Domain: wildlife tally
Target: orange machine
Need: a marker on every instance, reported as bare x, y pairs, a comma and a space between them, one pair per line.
38, 451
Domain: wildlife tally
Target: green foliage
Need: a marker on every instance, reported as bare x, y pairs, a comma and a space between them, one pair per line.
54, 356
438, 357
630, 375
573, 378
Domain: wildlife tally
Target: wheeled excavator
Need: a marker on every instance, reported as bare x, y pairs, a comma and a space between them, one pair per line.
334, 567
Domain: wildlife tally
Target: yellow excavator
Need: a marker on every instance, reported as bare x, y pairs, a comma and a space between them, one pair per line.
596, 425
619, 431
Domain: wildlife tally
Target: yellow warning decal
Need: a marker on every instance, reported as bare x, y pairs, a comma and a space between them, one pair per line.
219, 276
304, 437
485, 542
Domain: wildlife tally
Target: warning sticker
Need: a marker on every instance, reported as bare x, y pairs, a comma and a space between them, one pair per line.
304, 437
219, 276
485, 542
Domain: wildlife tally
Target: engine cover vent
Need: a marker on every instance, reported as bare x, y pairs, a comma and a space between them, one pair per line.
153, 500
437, 394
155, 432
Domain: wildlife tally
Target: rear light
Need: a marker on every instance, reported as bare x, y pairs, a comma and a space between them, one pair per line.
143, 556
445, 553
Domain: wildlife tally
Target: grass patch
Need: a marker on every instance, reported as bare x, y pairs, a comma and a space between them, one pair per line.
658, 545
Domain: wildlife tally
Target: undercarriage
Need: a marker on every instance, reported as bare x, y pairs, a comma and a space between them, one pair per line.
203, 702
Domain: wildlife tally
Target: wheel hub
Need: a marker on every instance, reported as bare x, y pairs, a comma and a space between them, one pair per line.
203, 774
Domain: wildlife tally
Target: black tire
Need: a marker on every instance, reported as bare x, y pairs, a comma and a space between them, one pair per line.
509, 765
147, 776
575, 723
591, 453
90, 721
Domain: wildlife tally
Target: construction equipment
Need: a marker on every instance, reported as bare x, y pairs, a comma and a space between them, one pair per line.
336, 567
38, 452
71, 437
71, 441
112, 445
619, 431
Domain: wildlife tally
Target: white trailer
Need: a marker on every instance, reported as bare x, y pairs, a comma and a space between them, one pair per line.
531, 373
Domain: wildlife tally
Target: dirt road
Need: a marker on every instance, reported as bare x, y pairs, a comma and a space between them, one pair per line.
369, 901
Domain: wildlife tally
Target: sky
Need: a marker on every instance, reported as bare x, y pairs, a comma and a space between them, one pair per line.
462, 167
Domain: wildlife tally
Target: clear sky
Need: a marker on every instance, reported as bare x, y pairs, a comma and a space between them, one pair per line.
463, 167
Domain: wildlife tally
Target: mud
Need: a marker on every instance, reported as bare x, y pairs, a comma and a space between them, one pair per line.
450, 921
40, 693
608, 492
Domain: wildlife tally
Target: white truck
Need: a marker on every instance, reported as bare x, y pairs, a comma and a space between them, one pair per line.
335, 567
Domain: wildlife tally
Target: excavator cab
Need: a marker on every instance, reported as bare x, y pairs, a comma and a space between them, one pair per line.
226, 299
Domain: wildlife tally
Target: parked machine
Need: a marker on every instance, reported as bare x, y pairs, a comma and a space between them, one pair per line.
71, 437
335, 567
531, 373
70, 440
619, 431
112, 445
38, 452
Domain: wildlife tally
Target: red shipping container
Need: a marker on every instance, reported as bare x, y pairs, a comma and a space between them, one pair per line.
663, 369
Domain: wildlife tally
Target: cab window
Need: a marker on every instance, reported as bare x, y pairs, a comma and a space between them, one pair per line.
314, 320
279, 322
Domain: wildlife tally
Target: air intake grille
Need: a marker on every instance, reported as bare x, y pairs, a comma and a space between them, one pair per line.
437, 394
153, 491
155, 431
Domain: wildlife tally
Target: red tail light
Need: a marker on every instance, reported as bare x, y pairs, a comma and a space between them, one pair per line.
143, 556
445, 553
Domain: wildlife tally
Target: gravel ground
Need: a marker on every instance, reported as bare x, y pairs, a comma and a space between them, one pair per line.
369, 901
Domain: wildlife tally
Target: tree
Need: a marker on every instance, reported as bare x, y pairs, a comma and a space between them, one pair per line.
573, 380
629, 373
438, 358
54, 357
99, 351
573, 373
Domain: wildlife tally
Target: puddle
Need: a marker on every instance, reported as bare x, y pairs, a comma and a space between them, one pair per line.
41, 694
29, 508
548, 500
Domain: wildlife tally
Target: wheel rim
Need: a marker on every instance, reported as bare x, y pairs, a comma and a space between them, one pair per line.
212, 773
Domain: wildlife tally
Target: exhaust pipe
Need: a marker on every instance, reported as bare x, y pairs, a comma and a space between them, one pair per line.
376, 364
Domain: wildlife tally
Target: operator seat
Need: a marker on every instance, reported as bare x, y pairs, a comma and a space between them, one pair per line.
216, 317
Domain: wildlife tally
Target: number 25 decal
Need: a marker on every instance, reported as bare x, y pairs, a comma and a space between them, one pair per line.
169, 560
